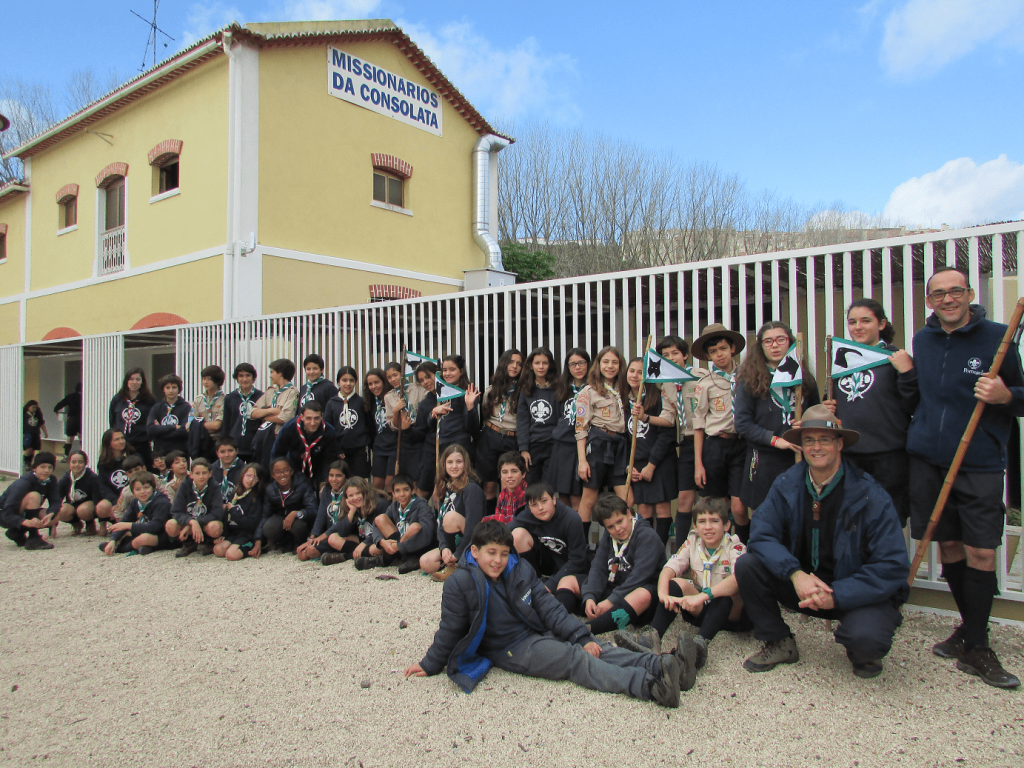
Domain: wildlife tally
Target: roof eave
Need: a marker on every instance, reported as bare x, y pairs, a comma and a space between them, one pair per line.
13, 189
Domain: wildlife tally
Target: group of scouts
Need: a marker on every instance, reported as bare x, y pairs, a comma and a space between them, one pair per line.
527, 490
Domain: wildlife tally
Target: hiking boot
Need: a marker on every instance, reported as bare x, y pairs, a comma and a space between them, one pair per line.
364, 563
204, 549
333, 558
953, 646
664, 688
444, 573
187, 548
408, 566
702, 650
90, 528
17, 535
867, 669
981, 662
37, 542
145, 550
775, 652
686, 654
645, 641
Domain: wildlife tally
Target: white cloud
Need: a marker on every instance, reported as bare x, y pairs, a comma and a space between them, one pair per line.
502, 82
326, 10
961, 192
923, 36
203, 20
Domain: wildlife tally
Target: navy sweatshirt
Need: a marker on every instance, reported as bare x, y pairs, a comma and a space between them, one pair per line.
203, 507
471, 504
322, 455
236, 418
564, 538
112, 478
322, 392
536, 417
72, 402
330, 510
129, 417
418, 511
653, 443
10, 501
948, 366
350, 424
87, 488
300, 499
385, 438
878, 403
227, 481
458, 425
167, 425
565, 430
245, 517
643, 559
760, 419
150, 520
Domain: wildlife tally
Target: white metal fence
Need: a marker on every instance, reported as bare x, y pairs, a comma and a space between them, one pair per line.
12, 399
102, 373
808, 288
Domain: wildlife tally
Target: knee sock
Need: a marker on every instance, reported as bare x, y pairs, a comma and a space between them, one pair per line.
663, 617
743, 531
616, 618
568, 599
980, 587
67, 449
662, 524
715, 617
348, 547
953, 573
492, 506
684, 521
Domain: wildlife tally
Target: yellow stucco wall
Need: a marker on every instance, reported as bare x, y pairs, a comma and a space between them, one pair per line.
292, 286
193, 291
329, 150
192, 108
10, 327
12, 275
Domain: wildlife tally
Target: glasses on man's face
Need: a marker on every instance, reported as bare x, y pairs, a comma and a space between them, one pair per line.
824, 442
776, 341
939, 295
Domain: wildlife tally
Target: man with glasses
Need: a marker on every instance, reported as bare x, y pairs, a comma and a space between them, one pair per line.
952, 353
826, 542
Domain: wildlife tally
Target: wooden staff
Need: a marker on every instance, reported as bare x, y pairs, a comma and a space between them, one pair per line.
397, 417
965, 442
828, 368
636, 424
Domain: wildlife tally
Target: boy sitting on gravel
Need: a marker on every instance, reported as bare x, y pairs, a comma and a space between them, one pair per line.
624, 574
198, 514
698, 583
142, 529
549, 536
495, 611
404, 532
22, 503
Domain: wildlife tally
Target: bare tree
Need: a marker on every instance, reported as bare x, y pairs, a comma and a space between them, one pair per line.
31, 109
84, 87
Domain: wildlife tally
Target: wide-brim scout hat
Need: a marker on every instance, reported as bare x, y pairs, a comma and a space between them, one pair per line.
820, 417
710, 332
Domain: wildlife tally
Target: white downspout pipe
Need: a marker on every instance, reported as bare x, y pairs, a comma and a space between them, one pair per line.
482, 198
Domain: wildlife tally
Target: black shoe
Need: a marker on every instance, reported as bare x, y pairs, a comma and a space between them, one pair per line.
664, 689
16, 535
205, 549
37, 542
701, 644
333, 558
408, 566
686, 655
145, 550
187, 548
867, 669
953, 646
364, 563
983, 663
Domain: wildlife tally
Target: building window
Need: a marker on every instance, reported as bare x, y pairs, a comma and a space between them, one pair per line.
388, 189
68, 213
165, 158
380, 293
114, 207
168, 178
3, 242
112, 250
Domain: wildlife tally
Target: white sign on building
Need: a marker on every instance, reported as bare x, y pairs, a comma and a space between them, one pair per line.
371, 87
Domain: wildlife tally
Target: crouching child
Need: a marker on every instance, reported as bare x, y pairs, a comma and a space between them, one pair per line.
404, 532
245, 517
496, 612
21, 505
623, 577
698, 583
142, 529
198, 513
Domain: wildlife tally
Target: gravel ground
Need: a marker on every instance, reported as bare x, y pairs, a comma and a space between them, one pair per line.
196, 662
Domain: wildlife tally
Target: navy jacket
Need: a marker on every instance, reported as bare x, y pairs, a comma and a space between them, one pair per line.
419, 512
948, 366
871, 555
322, 392
564, 538
301, 499
236, 416
190, 505
10, 501
463, 618
151, 521
87, 488
350, 424
129, 417
330, 511
167, 425
322, 455
245, 517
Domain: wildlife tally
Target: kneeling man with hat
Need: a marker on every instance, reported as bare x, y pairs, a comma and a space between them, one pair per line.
826, 542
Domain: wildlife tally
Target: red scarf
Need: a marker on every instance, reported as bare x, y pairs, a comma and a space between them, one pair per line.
307, 449
508, 503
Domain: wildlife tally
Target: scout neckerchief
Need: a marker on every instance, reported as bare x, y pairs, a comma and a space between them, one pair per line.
857, 378
133, 413
681, 404
380, 414
307, 447
237, 497
816, 499
710, 560
508, 503
503, 406
614, 392
447, 504
730, 377
277, 394
209, 402
785, 398
307, 394
618, 550
71, 493
142, 508
244, 407
403, 518
225, 484
334, 506
576, 389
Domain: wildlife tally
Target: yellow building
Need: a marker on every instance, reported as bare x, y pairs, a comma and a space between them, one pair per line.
268, 168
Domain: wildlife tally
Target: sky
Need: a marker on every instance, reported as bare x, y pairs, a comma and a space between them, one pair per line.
907, 109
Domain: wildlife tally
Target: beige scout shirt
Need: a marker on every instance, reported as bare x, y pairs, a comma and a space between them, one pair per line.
501, 416
671, 395
601, 410
414, 395
285, 398
713, 413
213, 412
693, 557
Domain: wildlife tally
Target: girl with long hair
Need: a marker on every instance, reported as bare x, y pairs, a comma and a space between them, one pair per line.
113, 479
425, 377
498, 421
537, 412
80, 493
461, 508
560, 472
242, 537
128, 411
401, 407
375, 387
359, 504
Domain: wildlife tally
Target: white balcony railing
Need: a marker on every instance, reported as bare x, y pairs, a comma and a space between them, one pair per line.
112, 250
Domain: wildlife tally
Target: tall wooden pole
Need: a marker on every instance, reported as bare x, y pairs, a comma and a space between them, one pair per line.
828, 368
636, 424
965, 442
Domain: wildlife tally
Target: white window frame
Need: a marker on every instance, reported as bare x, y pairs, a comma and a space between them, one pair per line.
101, 215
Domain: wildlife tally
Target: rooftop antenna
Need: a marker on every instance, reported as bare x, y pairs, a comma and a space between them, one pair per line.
151, 39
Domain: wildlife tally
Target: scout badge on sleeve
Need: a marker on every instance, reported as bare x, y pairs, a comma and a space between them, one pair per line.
411, 360
446, 391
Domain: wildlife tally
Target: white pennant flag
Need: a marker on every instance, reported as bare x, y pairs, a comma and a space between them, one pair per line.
850, 357
412, 361
446, 391
661, 370
788, 373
